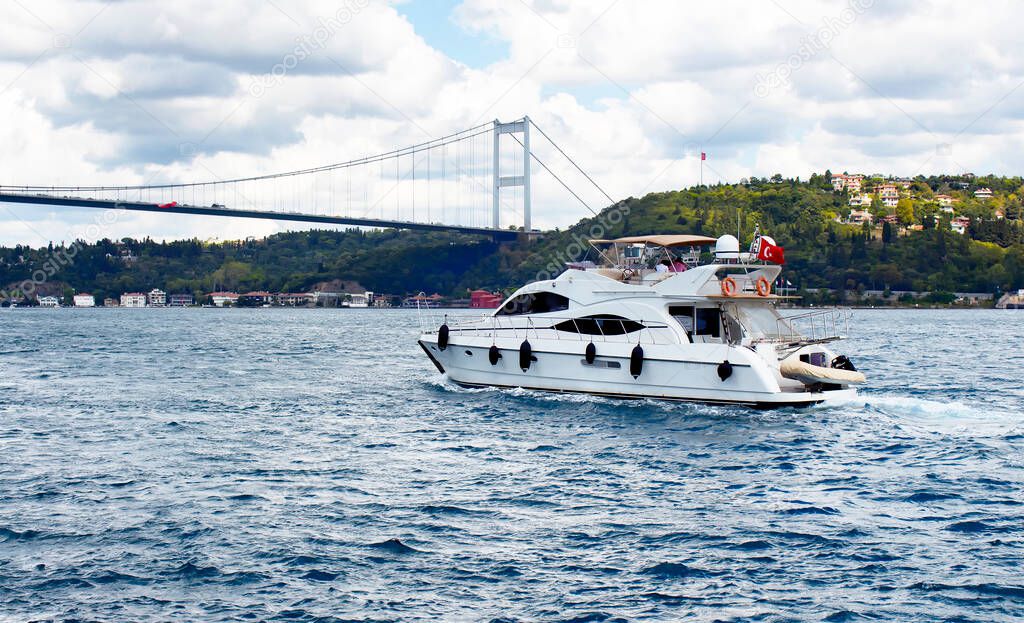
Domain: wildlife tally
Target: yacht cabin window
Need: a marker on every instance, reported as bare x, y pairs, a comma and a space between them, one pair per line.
600, 324
702, 324
707, 323
684, 316
535, 303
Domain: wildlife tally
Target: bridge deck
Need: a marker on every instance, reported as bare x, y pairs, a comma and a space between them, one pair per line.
78, 202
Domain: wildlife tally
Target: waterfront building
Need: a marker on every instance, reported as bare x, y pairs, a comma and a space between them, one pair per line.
181, 300
110, 302
85, 300
361, 299
423, 301
223, 299
294, 299
482, 299
157, 298
133, 299
324, 298
49, 301
255, 299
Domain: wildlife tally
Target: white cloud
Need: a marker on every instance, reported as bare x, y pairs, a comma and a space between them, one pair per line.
125, 92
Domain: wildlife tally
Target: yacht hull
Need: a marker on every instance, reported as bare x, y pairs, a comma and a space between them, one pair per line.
665, 375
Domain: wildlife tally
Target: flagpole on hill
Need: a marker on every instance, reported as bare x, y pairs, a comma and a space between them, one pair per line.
703, 157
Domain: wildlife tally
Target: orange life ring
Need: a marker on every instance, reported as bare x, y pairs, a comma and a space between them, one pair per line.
764, 287
729, 287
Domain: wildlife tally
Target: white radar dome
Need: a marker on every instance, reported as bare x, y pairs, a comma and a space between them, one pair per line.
727, 248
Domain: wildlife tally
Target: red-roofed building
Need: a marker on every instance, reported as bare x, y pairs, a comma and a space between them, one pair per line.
852, 183
220, 299
960, 224
482, 299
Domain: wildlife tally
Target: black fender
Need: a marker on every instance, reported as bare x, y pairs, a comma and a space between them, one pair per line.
636, 361
525, 355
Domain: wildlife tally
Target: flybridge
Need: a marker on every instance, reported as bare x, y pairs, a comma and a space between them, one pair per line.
651, 260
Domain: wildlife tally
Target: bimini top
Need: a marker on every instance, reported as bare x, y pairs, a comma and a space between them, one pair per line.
665, 240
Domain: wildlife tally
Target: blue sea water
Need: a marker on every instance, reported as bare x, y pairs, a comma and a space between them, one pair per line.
311, 465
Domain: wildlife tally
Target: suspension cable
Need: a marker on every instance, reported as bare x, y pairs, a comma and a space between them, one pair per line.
395, 153
590, 179
564, 185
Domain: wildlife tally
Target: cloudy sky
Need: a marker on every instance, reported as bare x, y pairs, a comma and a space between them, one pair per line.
127, 91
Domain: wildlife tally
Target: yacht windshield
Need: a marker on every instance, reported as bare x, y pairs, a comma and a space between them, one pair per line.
535, 303
763, 323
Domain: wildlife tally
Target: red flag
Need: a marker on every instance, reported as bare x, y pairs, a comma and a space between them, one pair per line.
167, 205
770, 252
703, 156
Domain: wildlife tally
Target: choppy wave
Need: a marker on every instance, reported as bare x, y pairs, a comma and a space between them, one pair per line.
311, 466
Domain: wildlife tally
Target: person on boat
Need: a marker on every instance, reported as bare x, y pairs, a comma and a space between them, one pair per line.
678, 266
663, 266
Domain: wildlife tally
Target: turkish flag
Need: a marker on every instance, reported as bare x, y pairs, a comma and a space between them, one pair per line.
771, 253
167, 205
703, 156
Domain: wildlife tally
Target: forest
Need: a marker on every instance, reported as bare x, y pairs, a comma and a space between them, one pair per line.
914, 249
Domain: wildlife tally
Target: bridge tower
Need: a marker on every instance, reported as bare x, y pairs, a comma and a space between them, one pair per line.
521, 126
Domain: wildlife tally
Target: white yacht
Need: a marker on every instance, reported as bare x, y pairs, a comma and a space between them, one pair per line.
654, 321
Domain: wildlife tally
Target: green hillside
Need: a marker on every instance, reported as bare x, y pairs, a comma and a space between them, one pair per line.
824, 253
915, 251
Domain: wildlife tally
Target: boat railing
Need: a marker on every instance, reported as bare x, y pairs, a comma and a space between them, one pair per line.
604, 330
815, 327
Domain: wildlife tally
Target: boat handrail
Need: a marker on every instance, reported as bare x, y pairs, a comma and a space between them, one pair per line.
544, 327
813, 327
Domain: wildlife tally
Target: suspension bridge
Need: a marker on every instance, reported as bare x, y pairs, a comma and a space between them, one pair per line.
476, 181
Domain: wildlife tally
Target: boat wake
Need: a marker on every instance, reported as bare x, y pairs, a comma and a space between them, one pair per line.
960, 417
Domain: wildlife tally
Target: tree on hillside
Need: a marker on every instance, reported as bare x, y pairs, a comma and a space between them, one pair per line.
886, 232
877, 208
905, 211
